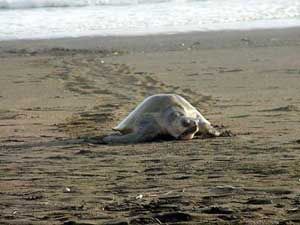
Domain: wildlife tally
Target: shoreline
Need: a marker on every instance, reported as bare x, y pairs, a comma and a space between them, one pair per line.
163, 42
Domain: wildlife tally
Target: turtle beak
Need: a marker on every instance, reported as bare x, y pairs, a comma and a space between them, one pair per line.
189, 133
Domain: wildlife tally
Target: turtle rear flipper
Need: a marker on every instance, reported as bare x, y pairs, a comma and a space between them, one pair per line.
146, 131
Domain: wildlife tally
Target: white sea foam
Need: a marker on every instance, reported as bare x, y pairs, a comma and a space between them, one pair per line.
19, 4
21, 19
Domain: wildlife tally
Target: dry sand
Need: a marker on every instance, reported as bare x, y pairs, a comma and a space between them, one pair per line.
57, 96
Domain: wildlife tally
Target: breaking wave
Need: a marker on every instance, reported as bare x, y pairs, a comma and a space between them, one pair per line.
26, 4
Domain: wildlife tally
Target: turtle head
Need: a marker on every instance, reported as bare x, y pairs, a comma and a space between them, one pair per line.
181, 126
189, 126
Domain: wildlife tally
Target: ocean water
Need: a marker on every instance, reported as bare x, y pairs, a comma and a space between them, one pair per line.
33, 19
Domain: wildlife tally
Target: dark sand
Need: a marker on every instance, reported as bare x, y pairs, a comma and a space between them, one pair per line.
57, 96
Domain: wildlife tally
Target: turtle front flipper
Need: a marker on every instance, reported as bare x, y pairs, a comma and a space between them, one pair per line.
205, 128
214, 132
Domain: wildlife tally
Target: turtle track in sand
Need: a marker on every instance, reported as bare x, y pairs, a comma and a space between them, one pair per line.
116, 88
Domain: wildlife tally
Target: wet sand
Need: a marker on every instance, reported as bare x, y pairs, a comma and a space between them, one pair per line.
57, 97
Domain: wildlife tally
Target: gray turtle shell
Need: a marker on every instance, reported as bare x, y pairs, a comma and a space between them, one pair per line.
154, 106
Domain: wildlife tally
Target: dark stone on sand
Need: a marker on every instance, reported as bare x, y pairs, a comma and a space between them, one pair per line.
142, 220
279, 191
184, 177
217, 210
259, 201
173, 217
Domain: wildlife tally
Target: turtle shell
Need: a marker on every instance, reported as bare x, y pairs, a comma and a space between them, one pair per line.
155, 106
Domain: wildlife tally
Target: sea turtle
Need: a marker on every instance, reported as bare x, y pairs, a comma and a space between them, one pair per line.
161, 115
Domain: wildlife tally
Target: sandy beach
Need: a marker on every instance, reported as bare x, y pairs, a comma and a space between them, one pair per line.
59, 96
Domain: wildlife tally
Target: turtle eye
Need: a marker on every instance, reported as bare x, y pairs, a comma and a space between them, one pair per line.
186, 122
